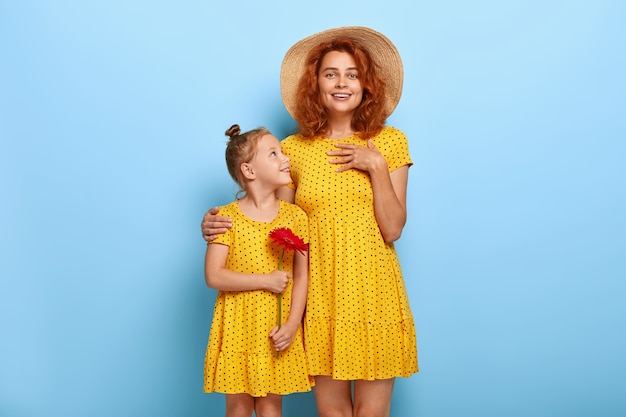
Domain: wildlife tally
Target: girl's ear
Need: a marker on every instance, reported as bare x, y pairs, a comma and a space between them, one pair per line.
248, 171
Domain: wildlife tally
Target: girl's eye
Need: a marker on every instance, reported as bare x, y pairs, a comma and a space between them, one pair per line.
330, 75
353, 76
273, 153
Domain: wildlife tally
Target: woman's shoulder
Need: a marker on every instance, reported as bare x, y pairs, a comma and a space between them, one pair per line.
391, 131
295, 144
391, 136
292, 139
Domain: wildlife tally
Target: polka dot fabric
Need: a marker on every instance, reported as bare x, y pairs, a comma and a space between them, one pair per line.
358, 323
239, 356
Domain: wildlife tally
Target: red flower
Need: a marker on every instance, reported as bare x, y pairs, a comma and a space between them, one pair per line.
288, 240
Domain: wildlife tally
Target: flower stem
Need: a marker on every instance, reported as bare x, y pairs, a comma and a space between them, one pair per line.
280, 311
280, 298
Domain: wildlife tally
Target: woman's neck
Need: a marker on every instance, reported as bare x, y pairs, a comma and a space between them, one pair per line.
340, 134
340, 127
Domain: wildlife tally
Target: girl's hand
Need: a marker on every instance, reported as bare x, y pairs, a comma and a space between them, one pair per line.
277, 281
357, 157
283, 338
213, 225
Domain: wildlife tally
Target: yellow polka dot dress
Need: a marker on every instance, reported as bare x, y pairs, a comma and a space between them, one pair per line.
239, 356
358, 323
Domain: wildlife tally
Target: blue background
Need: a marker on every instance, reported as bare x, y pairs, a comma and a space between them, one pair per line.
112, 116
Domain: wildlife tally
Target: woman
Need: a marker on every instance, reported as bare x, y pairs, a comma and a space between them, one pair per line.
350, 175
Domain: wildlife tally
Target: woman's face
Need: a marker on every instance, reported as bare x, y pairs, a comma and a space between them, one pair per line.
339, 84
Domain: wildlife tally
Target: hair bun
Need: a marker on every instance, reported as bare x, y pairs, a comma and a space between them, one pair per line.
233, 131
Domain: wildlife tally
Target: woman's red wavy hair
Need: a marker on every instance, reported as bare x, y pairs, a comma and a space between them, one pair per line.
312, 117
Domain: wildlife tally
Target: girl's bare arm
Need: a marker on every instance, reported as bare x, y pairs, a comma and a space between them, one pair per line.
219, 277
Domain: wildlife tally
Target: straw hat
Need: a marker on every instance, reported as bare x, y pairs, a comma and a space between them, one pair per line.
382, 50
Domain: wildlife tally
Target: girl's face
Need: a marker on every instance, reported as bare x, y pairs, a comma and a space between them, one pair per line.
269, 163
339, 84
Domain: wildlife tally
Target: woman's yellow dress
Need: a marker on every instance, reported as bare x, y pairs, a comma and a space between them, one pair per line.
239, 356
358, 323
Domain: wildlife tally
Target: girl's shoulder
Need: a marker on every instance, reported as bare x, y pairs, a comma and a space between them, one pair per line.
229, 210
292, 208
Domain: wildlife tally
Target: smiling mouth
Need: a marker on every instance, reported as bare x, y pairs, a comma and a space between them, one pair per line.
341, 95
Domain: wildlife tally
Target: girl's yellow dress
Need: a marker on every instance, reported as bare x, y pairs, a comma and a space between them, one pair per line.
358, 323
239, 356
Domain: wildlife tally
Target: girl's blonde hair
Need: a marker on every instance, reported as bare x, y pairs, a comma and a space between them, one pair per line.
241, 148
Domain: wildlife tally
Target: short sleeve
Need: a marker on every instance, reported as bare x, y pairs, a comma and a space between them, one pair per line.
226, 238
394, 145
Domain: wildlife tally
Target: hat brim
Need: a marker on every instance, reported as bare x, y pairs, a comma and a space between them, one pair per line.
381, 49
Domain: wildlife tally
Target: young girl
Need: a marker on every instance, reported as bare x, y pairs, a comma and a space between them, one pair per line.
250, 357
